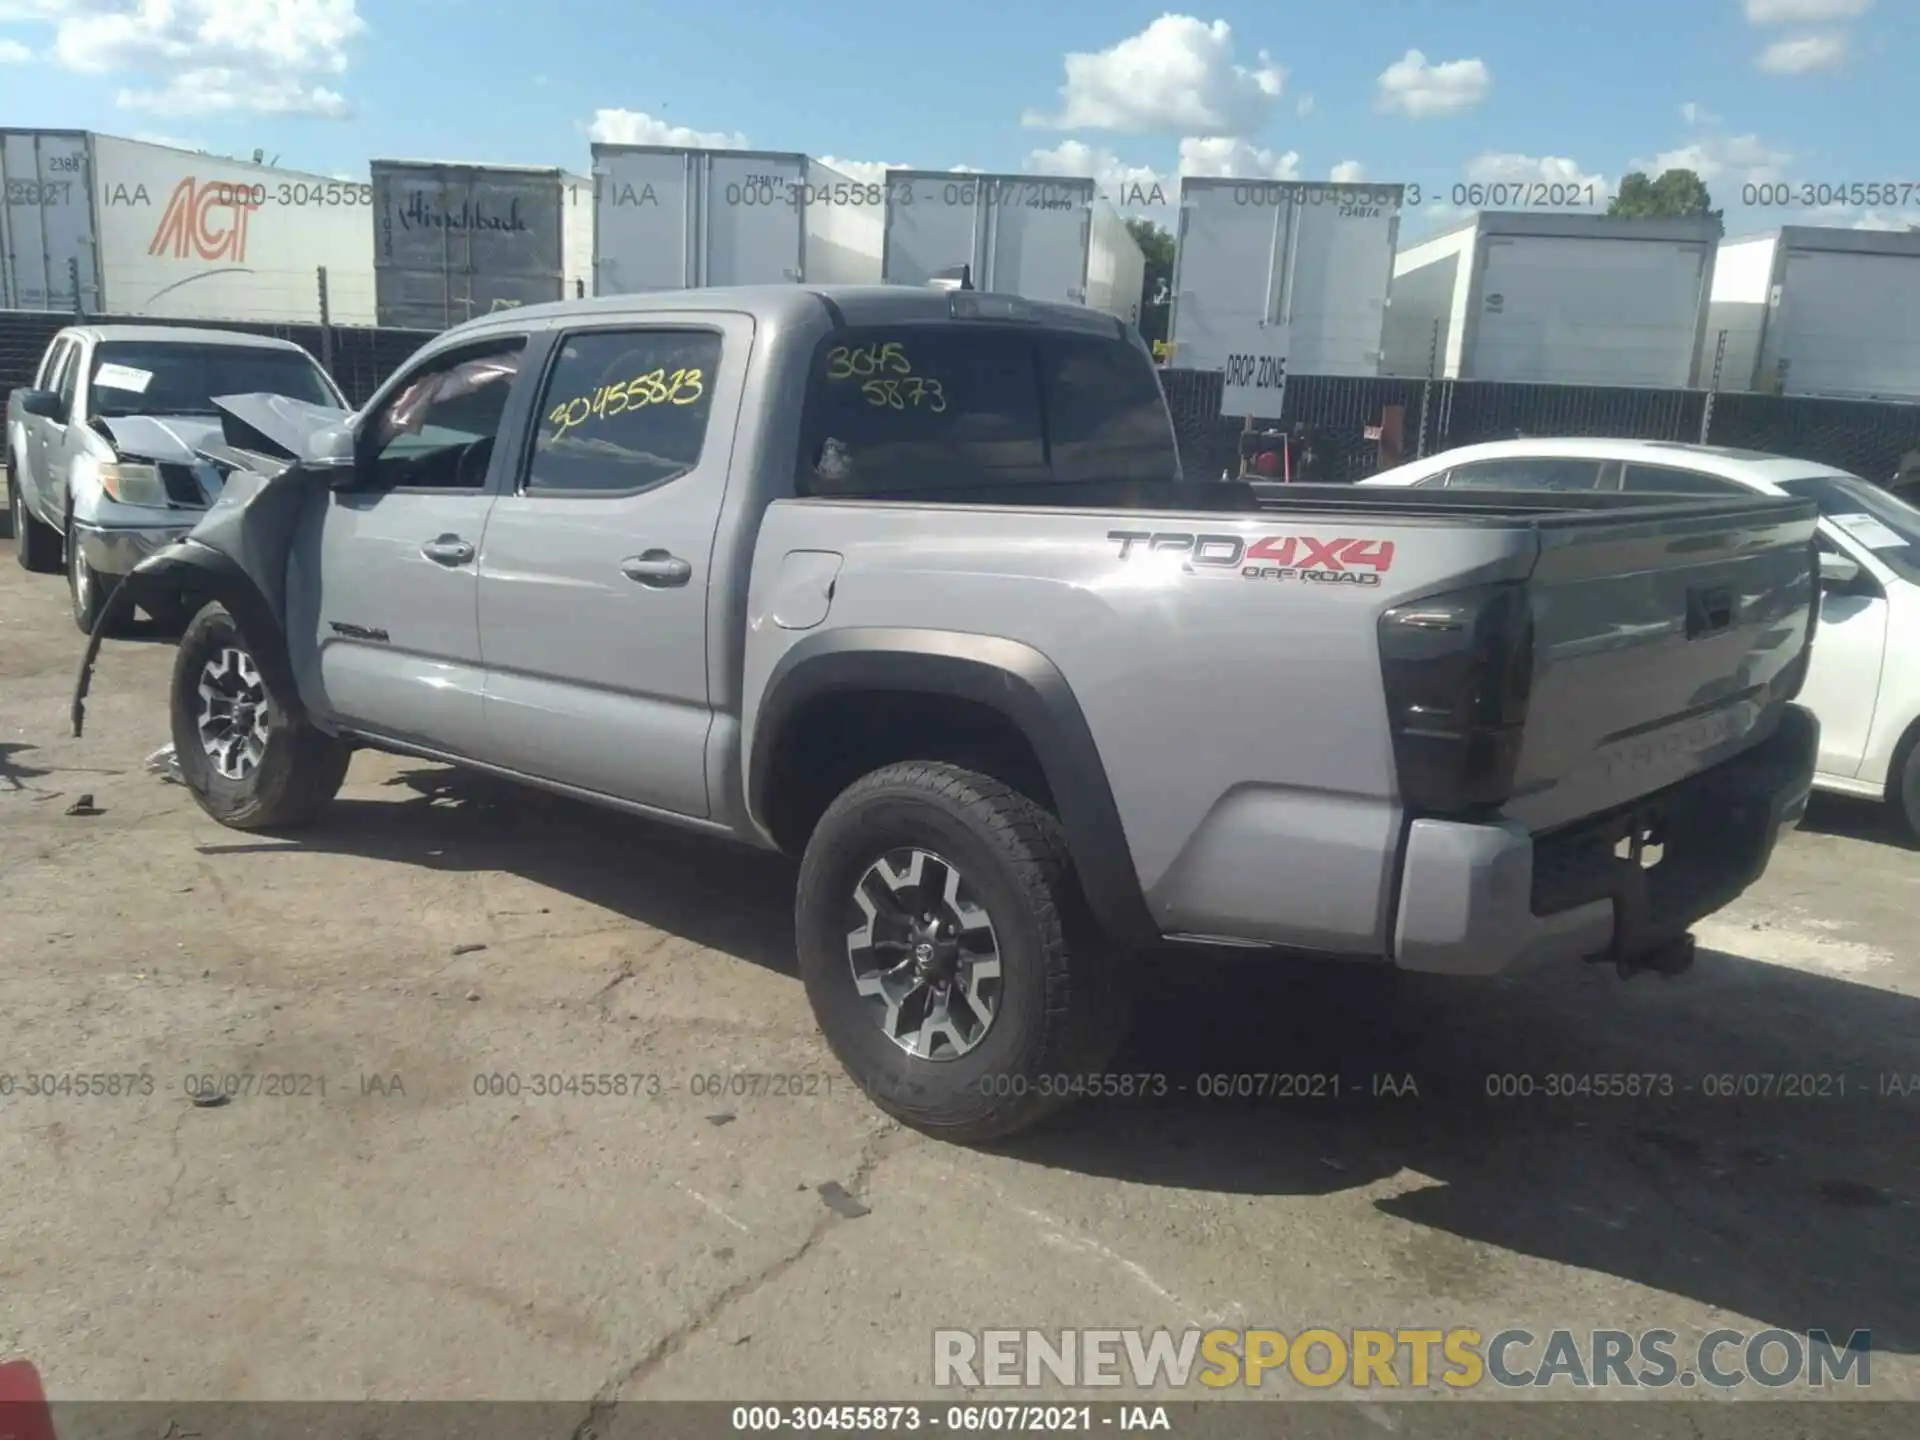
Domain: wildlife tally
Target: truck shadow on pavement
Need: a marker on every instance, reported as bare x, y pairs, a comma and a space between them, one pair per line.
1746, 1135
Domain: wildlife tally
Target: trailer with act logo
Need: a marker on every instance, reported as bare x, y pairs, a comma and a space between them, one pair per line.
96, 224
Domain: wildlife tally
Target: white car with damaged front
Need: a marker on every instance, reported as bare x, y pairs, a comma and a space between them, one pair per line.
1863, 682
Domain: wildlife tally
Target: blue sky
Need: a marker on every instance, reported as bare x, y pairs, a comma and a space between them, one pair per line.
1564, 91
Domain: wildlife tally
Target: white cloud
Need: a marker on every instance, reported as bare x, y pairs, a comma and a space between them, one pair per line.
1413, 87
1874, 220
220, 90
865, 172
1804, 53
1236, 159
636, 127
1510, 168
209, 56
172, 142
1746, 158
1132, 187
1177, 75
1348, 172
1804, 12
12, 52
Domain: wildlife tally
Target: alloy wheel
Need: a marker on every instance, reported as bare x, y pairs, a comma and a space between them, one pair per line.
232, 723
924, 954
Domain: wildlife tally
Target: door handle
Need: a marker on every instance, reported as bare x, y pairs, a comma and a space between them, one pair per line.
657, 569
448, 550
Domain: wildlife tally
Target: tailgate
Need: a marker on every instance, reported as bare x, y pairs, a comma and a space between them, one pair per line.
1666, 639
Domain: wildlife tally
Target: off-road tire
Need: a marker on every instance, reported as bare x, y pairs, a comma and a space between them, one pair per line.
301, 769
35, 545
1065, 989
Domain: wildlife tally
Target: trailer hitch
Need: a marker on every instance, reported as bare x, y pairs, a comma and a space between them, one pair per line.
1639, 945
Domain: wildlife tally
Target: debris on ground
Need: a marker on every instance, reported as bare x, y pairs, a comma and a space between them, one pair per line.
210, 1099
85, 806
468, 949
723, 1118
165, 763
836, 1197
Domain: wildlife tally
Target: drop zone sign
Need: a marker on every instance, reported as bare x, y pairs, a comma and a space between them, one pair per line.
1256, 376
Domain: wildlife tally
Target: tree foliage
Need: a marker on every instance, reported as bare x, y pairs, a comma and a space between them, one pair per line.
1677, 193
1156, 292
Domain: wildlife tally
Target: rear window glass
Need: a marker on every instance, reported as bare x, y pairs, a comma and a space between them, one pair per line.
896, 411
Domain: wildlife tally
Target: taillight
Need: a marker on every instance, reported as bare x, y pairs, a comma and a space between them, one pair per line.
1459, 672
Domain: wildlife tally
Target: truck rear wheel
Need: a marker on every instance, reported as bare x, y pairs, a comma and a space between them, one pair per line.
1904, 793
949, 955
249, 764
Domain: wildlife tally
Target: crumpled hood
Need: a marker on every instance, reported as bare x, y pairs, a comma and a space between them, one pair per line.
171, 439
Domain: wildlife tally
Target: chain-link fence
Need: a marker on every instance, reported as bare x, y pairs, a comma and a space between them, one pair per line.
1343, 416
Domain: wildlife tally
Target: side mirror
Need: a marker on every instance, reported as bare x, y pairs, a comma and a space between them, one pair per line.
43, 403
1837, 572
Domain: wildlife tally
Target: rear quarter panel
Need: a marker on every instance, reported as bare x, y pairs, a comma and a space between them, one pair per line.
1239, 719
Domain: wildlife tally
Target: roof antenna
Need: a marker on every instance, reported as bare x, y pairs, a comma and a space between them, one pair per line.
954, 277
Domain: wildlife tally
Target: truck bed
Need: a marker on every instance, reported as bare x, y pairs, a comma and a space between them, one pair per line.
1225, 643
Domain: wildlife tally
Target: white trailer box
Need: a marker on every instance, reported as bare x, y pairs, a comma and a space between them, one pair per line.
178, 234
454, 240
1041, 237
1555, 299
1817, 310
671, 218
1315, 256
1116, 266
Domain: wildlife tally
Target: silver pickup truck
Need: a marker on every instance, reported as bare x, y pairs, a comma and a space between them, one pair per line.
908, 583
100, 453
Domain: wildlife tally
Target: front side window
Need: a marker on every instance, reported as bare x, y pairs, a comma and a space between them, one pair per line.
66, 379
50, 364
1665, 480
135, 377
624, 410
893, 411
437, 431
1544, 472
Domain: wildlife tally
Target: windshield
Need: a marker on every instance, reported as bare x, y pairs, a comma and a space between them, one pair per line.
1872, 518
167, 378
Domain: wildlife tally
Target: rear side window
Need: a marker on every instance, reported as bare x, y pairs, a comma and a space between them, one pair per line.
1521, 473
1665, 480
1105, 417
624, 410
892, 412
914, 408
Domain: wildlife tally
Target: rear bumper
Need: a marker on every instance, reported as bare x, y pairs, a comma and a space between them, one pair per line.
1480, 899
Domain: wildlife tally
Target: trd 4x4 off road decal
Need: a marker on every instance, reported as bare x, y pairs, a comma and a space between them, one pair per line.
1341, 561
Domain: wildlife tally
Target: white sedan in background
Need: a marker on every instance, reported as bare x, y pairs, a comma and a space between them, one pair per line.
1864, 679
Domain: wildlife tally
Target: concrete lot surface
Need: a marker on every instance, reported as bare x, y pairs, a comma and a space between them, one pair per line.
387, 1230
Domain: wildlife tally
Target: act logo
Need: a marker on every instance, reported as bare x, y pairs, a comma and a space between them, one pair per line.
207, 220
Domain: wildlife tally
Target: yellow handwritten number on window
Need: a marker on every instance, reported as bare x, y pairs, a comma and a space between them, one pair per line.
657, 387
844, 363
914, 392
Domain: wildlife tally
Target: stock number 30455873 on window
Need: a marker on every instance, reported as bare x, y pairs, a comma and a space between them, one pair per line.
886, 376
680, 387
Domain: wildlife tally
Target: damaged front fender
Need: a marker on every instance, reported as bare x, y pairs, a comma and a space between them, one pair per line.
190, 565
238, 552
